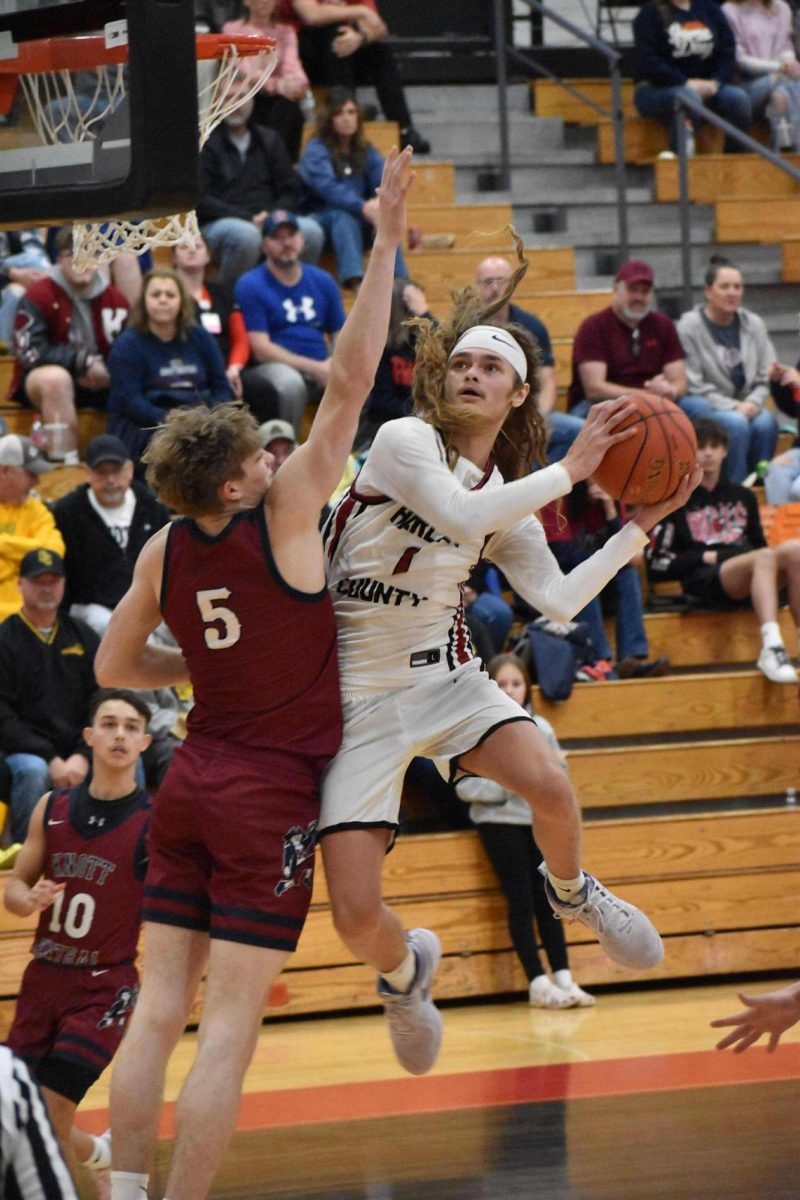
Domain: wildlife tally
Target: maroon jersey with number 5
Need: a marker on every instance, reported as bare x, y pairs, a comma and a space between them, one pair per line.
261, 655
96, 848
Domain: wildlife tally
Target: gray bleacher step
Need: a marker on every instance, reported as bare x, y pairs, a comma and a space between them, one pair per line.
578, 183
759, 264
457, 100
600, 195
596, 225
476, 140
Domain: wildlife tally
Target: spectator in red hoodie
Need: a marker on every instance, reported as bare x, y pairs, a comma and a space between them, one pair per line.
63, 332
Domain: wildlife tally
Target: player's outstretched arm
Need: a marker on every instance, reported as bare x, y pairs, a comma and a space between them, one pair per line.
125, 658
26, 892
310, 475
771, 1014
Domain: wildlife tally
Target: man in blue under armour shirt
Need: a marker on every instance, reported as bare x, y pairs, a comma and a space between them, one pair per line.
292, 312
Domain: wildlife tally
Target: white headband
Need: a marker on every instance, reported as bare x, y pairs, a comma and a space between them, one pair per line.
494, 341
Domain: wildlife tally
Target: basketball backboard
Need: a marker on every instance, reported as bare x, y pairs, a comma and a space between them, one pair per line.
140, 158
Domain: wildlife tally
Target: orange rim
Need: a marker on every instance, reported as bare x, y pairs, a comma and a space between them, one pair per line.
89, 52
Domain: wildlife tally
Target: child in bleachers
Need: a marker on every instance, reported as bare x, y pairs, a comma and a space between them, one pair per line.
505, 826
716, 547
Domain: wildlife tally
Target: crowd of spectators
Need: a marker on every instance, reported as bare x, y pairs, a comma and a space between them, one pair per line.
247, 312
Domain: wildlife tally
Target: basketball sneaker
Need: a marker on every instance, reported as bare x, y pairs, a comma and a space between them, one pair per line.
776, 665
626, 935
578, 998
415, 1023
543, 993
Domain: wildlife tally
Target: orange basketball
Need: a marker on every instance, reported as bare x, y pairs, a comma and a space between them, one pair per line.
647, 468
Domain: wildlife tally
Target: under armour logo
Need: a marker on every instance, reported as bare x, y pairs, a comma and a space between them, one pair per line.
97, 821
305, 310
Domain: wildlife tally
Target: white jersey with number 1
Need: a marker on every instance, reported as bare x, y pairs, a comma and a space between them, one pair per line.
402, 541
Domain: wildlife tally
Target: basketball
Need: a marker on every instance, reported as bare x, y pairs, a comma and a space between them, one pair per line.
648, 467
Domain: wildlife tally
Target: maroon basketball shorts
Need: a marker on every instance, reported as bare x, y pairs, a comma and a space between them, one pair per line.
70, 1021
231, 843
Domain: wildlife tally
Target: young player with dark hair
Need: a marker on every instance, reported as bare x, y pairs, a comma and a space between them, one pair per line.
82, 869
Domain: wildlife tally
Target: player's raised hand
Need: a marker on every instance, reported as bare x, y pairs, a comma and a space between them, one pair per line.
647, 516
598, 434
772, 1014
397, 178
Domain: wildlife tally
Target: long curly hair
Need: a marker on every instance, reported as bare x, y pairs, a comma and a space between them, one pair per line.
522, 439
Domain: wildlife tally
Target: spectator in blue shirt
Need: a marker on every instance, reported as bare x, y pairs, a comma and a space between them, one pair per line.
341, 171
164, 360
292, 313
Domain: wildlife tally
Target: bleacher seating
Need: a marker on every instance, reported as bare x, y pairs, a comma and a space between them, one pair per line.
664, 768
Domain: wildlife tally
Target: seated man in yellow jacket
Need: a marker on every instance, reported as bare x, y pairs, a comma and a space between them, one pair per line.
26, 523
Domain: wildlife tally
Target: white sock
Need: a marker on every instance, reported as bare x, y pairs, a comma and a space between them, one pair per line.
567, 889
562, 979
402, 977
100, 1158
127, 1185
771, 635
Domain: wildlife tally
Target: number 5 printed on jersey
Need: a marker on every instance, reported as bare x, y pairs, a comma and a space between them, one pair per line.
212, 612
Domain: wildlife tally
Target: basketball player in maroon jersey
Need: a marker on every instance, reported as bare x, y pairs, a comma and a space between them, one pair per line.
241, 583
82, 869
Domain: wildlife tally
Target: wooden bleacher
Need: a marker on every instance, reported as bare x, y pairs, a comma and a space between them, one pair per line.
717, 883
644, 138
757, 219
729, 175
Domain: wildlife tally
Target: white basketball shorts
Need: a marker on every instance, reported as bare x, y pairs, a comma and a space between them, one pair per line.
383, 731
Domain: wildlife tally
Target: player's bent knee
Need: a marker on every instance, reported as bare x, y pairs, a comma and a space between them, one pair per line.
355, 917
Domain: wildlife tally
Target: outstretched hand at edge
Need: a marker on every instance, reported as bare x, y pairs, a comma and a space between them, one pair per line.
647, 516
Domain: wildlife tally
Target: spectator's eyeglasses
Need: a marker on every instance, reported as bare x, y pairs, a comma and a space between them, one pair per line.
636, 341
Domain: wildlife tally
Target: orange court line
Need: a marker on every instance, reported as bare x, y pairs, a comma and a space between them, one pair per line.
487, 1089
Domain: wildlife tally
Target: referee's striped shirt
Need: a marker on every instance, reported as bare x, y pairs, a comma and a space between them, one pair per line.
31, 1165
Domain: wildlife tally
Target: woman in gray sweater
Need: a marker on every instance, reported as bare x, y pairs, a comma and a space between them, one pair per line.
728, 359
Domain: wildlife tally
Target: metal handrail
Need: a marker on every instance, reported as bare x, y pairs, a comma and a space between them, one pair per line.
697, 109
504, 51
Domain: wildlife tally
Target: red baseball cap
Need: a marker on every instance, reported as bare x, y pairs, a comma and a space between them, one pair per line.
634, 271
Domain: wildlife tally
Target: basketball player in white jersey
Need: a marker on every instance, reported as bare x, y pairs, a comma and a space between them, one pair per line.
429, 503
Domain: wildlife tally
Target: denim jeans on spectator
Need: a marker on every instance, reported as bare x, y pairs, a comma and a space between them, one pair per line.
496, 615
562, 429
751, 442
30, 779
236, 245
346, 233
10, 295
782, 481
731, 103
629, 629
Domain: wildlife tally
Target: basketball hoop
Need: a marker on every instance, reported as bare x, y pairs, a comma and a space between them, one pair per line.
61, 113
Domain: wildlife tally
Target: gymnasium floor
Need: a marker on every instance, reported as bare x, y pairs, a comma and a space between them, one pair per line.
625, 1101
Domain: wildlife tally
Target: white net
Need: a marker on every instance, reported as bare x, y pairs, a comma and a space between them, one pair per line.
71, 106
68, 106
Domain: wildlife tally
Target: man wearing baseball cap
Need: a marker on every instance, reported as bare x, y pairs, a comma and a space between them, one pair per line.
278, 437
46, 683
105, 522
25, 521
627, 347
292, 312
